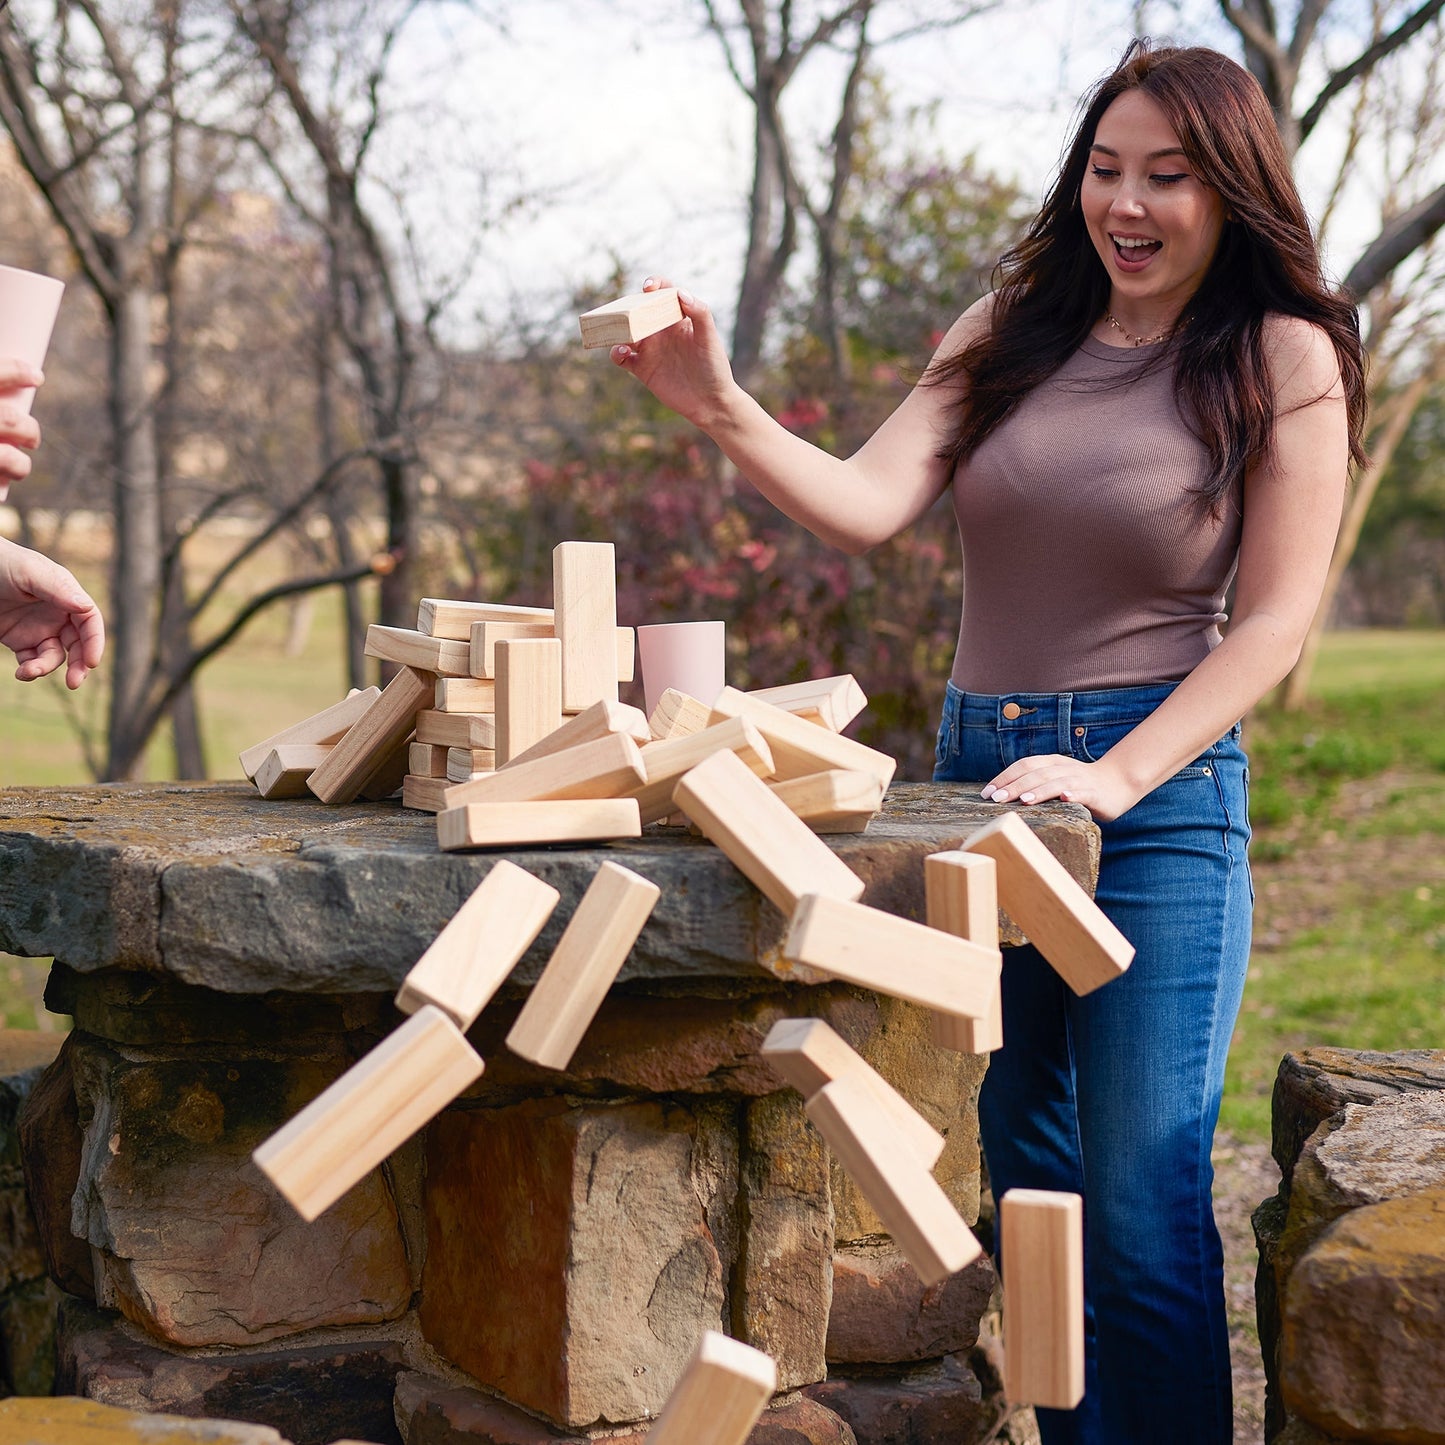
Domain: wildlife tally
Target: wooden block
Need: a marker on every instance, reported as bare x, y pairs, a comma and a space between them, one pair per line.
466, 694
464, 764
469, 960
386, 723
724, 1389
456, 729
913, 1207
386, 778
371, 1110
486, 635
630, 318
1059, 918
426, 760
529, 693
892, 955
438, 617
782, 856
584, 592
602, 719
838, 801
328, 726
832, 701
1043, 1297
962, 893
429, 795
667, 762
809, 1055
284, 772
514, 825
610, 767
676, 715
416, 649
595, 945
800, 747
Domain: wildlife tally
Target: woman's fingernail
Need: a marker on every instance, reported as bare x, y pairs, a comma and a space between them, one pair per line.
686, 298
1026, 797
985, 792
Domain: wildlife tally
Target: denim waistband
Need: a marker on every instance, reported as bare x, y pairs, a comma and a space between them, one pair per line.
1056, 712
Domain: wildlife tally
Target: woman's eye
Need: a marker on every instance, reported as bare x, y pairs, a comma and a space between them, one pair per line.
1103, 175
1168, 180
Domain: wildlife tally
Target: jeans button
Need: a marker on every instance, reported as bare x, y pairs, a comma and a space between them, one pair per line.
1011, 710
1078, 732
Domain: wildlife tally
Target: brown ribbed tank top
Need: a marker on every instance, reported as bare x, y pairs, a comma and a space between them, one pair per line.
1089, 560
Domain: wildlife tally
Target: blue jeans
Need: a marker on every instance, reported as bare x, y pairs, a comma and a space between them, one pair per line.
1114, 1096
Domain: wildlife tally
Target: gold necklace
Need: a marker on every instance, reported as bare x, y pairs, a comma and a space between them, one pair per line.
1135, 340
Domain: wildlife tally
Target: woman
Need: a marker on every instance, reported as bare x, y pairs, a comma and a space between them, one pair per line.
46, 616
1161, 397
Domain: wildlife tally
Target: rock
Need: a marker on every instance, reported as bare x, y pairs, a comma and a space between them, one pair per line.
28, 1315
85, 1422
882, 1314
784, 1279
1364, 1323
48, 1125
1268, 1221
312, 1394
939, 1401
1313, 1084
576, 1254
191, 1241
433, 1413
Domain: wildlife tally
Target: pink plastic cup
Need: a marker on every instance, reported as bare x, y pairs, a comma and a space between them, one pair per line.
690, 656
29, 304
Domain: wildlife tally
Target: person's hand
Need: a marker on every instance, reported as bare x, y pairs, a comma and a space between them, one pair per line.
19, 434
1098, 786
685, 366
46, 617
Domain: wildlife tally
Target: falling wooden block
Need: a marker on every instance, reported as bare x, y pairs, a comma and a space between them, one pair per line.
469, 960
810, 1055
328, 726
284, 772
1059, 918
464, 764
373, 738
486, 635
908, 1199
781, 856
592, 950
630, 318
892, 955
1043, 1297
426, 760
456, 729
602, 719
610, 767
416, 649
724, 1389
529, 693
514, 825
667, 762
371, 1110
962, 893
584, 594
676, 715
428, 795
838, 801
438, 617
800, 747
832, 701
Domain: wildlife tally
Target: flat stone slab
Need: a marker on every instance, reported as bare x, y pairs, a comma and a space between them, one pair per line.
215, 886
71, 1421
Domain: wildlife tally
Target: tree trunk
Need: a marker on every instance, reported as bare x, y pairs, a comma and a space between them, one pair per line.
767, 256
136, 563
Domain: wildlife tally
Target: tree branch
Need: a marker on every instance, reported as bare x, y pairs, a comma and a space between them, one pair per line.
1404, 235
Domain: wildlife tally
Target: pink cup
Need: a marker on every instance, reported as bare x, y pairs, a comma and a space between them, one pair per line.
29, 304
690, 656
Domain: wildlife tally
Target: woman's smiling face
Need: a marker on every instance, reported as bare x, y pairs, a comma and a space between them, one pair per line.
1153, 222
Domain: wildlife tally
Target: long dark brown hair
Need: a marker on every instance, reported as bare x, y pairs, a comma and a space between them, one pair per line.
1052, 287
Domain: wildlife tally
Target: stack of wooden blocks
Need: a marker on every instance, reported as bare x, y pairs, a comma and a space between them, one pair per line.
538, 749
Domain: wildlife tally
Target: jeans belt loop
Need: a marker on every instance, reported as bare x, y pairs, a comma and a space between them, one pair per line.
1065, 716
